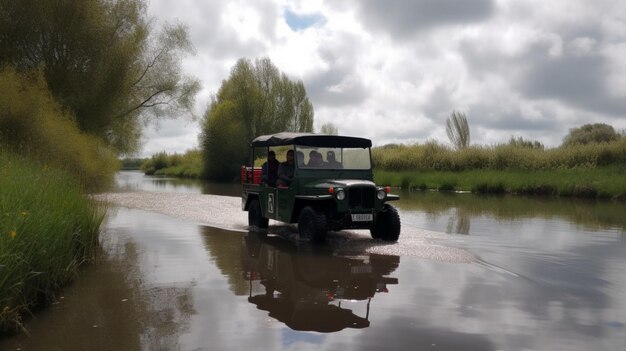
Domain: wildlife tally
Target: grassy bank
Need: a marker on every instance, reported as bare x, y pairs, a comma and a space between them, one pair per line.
602, 182
187, 165
47, 229
592, 170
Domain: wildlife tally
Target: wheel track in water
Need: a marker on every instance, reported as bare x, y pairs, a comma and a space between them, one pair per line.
225, 212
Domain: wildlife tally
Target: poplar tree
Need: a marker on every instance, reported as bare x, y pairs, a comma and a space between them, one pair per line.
458, 130
256, 99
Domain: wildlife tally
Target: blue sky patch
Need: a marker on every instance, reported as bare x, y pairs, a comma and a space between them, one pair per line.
291, 337
301, 22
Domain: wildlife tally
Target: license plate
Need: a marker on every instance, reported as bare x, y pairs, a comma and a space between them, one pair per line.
361, 269
362, 217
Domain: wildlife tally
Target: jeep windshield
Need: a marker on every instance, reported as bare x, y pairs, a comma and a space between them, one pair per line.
346, 158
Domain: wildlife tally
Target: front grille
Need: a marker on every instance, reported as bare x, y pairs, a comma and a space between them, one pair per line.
361, 197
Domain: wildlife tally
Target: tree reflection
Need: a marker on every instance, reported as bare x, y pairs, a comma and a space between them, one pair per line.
459, 222
591, 214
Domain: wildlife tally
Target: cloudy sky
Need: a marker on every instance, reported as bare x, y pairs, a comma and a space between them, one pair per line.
392, 71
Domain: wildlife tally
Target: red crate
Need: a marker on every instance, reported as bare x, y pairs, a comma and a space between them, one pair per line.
250, 174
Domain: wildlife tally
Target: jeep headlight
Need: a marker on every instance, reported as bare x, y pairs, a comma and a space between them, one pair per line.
381, 194
340, 194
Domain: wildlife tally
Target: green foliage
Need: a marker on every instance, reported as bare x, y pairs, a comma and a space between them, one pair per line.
156, 162
187, 165
32, 124
47, 229
590, 134
255, 100
102, 61
329, 128
458, 130
521, 142
132, 163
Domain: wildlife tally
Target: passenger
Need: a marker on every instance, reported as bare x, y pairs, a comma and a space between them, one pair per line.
315, 159
269, 170
300, 158
319, 160
332, 162
311, 162
286, 171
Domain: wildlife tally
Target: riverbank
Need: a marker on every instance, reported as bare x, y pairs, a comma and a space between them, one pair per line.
604, 182
47, 230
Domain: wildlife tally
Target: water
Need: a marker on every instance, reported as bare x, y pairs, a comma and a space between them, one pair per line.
135, 181
550, 275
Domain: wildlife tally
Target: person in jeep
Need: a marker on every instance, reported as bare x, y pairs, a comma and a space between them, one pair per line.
269, 170
319, 196
331, 161
286, 171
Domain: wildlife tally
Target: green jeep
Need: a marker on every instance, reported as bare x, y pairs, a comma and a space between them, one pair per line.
331, 188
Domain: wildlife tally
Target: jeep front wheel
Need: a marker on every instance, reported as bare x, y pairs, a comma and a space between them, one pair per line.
255, 216
387, 225
312, 225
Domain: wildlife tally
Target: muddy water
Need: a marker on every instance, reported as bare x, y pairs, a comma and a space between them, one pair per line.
549, 275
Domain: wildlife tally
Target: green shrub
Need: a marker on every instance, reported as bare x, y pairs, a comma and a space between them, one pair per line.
187, 165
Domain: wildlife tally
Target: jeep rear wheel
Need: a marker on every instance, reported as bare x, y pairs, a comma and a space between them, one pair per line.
255, 216
387, 225
312, 225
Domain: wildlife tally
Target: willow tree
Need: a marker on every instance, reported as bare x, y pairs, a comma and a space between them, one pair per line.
590, 134
256, 99
458, 130
103, 61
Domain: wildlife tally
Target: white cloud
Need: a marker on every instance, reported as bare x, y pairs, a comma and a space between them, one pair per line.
524, 68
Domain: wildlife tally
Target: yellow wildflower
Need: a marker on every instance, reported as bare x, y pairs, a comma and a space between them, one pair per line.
24, 213
12, 234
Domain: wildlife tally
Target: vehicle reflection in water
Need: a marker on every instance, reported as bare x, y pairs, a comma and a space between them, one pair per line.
312, 289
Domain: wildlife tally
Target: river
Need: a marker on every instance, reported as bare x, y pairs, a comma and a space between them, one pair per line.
547, 274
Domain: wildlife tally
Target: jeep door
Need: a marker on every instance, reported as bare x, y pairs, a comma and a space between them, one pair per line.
268, 201
285, 202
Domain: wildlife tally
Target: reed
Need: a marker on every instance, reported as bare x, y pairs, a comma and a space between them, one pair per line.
48, 228
433, 156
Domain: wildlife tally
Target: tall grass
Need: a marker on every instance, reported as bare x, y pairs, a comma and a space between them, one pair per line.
47, 229
593, 170
432, 156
